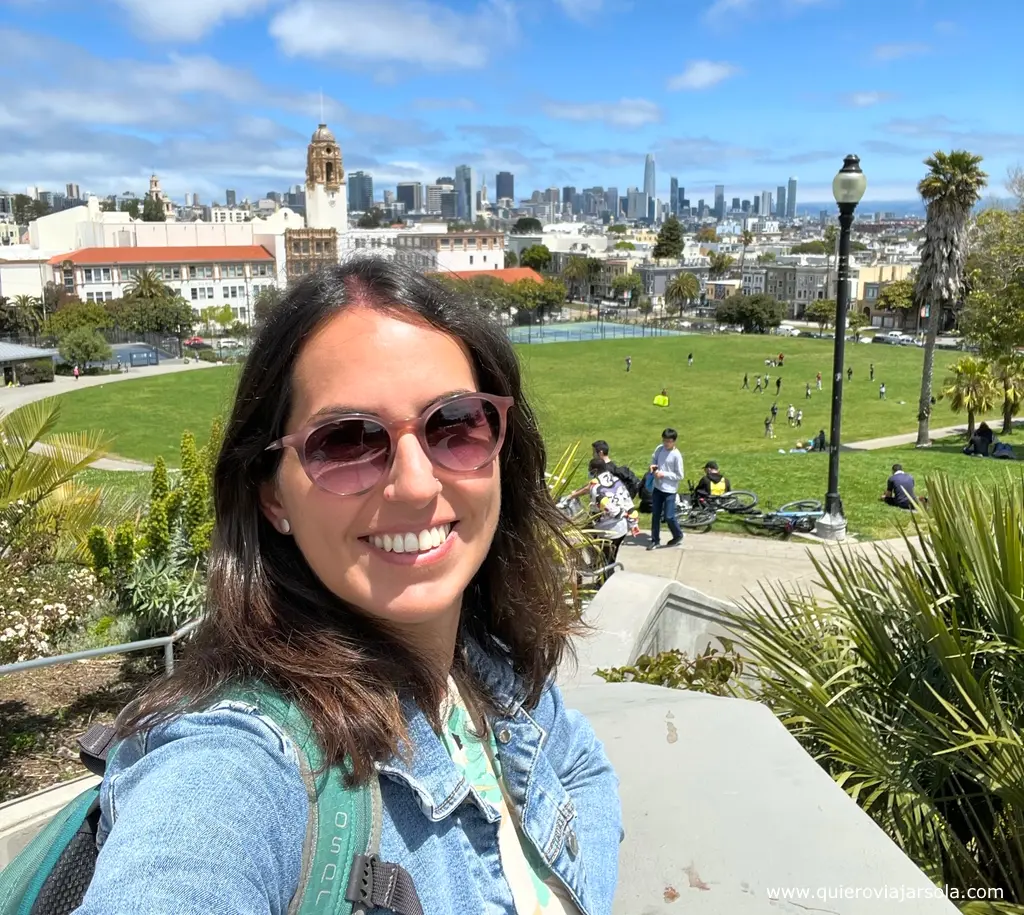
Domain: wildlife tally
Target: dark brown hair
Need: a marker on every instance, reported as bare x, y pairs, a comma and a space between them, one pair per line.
270, 618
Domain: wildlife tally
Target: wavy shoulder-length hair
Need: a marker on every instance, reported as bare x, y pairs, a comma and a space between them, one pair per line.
269, 618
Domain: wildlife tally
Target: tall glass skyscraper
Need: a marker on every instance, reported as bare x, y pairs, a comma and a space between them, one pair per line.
673, 196
649, 183
719, 201
465, 187
780, 201
791, 199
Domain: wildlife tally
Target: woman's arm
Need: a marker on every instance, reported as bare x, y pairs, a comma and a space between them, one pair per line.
585, 772
204, 814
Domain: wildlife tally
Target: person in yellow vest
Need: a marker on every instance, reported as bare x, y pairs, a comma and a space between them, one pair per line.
713, 483
661, 400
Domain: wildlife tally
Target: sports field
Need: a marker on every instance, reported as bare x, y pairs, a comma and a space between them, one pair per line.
582, 392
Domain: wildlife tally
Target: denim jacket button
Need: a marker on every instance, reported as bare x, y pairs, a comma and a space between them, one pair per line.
572, 843
504, 735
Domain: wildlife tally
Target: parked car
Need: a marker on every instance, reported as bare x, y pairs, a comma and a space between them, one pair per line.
229, 343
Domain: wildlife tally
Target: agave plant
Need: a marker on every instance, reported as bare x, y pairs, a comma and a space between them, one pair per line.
39, 495
907, 683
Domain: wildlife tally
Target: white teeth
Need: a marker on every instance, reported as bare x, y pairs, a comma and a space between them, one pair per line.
429, 539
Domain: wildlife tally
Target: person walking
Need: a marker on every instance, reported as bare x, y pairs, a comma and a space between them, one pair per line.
689, 359
799, 418
790, 414
667, 468
757, 387
871, 372
75, 373
767, 378
629, 363
778, 385
769, 427
881, 391
819, 381
807, 391
746, 382
849, 373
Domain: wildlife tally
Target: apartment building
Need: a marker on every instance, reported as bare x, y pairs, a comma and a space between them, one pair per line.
218, 275
451, 251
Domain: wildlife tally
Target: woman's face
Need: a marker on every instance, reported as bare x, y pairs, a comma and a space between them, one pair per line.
367, 362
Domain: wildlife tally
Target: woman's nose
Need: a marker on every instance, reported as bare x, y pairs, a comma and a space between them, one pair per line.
413, 477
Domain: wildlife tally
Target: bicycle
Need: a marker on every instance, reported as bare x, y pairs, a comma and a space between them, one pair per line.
799, 516
597, 554
735, 501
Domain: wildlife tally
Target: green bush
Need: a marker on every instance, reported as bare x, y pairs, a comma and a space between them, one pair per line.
207, 355
163, 595
158, 534
35, 371
100, 553
124, 551
713, 671
907, 682
160, 487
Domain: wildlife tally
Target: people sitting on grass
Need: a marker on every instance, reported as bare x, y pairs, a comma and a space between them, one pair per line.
712, 483
981, 442
820, 442
899, 489
661, 400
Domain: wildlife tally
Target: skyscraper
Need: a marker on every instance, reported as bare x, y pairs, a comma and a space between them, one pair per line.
735, 203
360, 191
465, 187
229, 198
673, 198
719, 201
411, 194
756, 209
505, 185
611, 200
683, 205
766, 203
791, 199
780, 201
649, 182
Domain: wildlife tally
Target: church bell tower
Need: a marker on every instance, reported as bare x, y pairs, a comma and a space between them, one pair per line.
326, 190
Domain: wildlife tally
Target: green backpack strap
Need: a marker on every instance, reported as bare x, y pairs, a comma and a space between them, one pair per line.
341, 872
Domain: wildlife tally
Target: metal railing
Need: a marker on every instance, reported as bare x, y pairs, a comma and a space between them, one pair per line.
165, 641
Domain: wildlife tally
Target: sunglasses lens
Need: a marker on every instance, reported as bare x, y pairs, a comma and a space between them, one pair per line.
463, 435
348, 456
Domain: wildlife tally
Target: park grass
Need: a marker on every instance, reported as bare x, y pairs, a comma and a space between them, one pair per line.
581, 392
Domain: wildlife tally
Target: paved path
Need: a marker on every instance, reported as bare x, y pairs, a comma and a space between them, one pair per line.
729, 567
12, 398
893, 441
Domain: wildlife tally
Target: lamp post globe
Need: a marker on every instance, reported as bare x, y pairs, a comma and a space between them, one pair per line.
848, 188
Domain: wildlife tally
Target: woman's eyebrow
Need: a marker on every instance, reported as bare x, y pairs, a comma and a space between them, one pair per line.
337, 409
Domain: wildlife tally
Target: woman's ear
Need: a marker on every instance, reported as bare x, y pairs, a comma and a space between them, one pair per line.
273, 510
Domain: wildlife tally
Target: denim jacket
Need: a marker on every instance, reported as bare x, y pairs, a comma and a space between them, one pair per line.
207, 812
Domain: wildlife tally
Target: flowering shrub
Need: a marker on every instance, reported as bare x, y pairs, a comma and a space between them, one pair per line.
40, 604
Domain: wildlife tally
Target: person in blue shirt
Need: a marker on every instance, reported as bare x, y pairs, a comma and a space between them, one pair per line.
384, 557
899, 489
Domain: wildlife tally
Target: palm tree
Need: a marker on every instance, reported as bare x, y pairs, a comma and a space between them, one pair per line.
1008, 372
951, 188
970, 388
575, 271
831, 239
719, 264
38, 492
683, 288
146, 285
28, 314
746, 239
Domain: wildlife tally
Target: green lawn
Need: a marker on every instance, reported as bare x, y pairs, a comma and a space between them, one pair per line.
581, 392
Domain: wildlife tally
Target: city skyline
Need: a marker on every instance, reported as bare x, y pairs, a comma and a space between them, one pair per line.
226, 95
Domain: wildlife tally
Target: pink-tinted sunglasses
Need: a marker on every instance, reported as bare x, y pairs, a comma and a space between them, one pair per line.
350, 453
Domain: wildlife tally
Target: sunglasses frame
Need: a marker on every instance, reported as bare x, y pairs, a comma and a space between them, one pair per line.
395, 430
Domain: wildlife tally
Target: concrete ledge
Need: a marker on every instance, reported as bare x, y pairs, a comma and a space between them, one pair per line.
722, 807
23, 817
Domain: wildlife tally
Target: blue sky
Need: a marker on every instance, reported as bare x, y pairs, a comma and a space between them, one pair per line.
214, 94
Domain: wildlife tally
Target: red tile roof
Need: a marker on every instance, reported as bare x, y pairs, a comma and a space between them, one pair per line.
508, 274
196, 254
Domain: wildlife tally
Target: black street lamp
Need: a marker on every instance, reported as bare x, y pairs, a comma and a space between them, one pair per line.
848, 187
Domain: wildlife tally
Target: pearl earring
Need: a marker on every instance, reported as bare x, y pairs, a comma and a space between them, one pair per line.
286, 528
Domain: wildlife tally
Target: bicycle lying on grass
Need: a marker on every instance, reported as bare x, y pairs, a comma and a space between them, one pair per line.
699, 511
800, 516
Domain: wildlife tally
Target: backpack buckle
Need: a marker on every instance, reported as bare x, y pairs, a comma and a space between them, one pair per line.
360, 880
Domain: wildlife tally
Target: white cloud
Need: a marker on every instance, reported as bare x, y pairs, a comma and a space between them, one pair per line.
898, 50
866, 99
581, 10
721, 10
185, 20
392, 31
627, 112
702, 74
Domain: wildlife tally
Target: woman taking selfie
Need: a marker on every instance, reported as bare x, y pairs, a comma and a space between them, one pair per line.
383, 562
